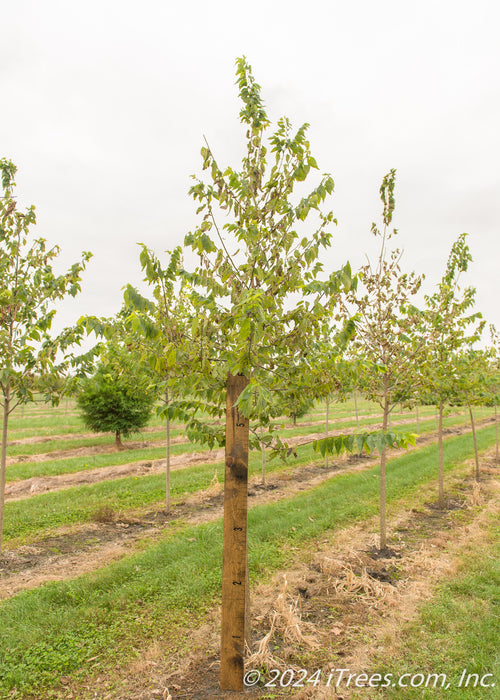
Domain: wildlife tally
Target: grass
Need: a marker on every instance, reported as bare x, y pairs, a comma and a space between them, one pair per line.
97, 620
67, 465
459, 630
40, 514
76, 442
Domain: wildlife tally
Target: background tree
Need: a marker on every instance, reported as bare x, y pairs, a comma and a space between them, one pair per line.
161, 328
471, 387
29, 288
450, 329
118, 397
386, 343
493, 382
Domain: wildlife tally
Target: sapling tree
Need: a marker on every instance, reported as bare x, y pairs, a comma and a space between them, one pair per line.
493, 383
387, 343
451, 328
29, 289
257, 298
471, 387
161, 326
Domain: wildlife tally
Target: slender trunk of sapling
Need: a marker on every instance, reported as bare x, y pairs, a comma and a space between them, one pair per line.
416, 415
356, 407
496, 428
326, 430
476, 455
383, 536
263, 454
440, 449
167, 474
3, 458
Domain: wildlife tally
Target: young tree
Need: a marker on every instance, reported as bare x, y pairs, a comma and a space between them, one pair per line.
387, 344
257, 298
493, 382
29, 289
450, 329
118, 397
471, 387
160, 326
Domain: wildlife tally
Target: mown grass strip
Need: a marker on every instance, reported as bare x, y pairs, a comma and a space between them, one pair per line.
76, 442
68, 465
39, 514
457, 633
99, 618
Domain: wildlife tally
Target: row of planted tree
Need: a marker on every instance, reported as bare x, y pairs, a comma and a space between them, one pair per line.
255, 330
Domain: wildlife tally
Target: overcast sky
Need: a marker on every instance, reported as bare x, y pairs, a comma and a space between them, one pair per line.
104, 105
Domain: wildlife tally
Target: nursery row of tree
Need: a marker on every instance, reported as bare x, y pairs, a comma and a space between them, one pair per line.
257, 329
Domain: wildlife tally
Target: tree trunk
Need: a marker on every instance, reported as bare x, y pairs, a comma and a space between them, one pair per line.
326, 430
383, 535
440, 449
234, 563
263, 451
476, 455
294, 419
118, 440
167, 471
416, 415
356, 407
3, 458
496, 427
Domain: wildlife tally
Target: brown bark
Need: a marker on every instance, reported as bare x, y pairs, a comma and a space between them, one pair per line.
356, 407
118, 440
234, 563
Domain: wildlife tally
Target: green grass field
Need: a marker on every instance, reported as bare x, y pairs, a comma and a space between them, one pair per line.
92, 625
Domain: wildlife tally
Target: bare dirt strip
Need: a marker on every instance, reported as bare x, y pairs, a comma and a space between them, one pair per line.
25, 488
75, 550
341, 605
40, 439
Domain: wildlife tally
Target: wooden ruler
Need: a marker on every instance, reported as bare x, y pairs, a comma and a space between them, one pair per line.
234, 562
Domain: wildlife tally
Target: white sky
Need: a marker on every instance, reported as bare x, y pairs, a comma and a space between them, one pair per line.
105, 104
